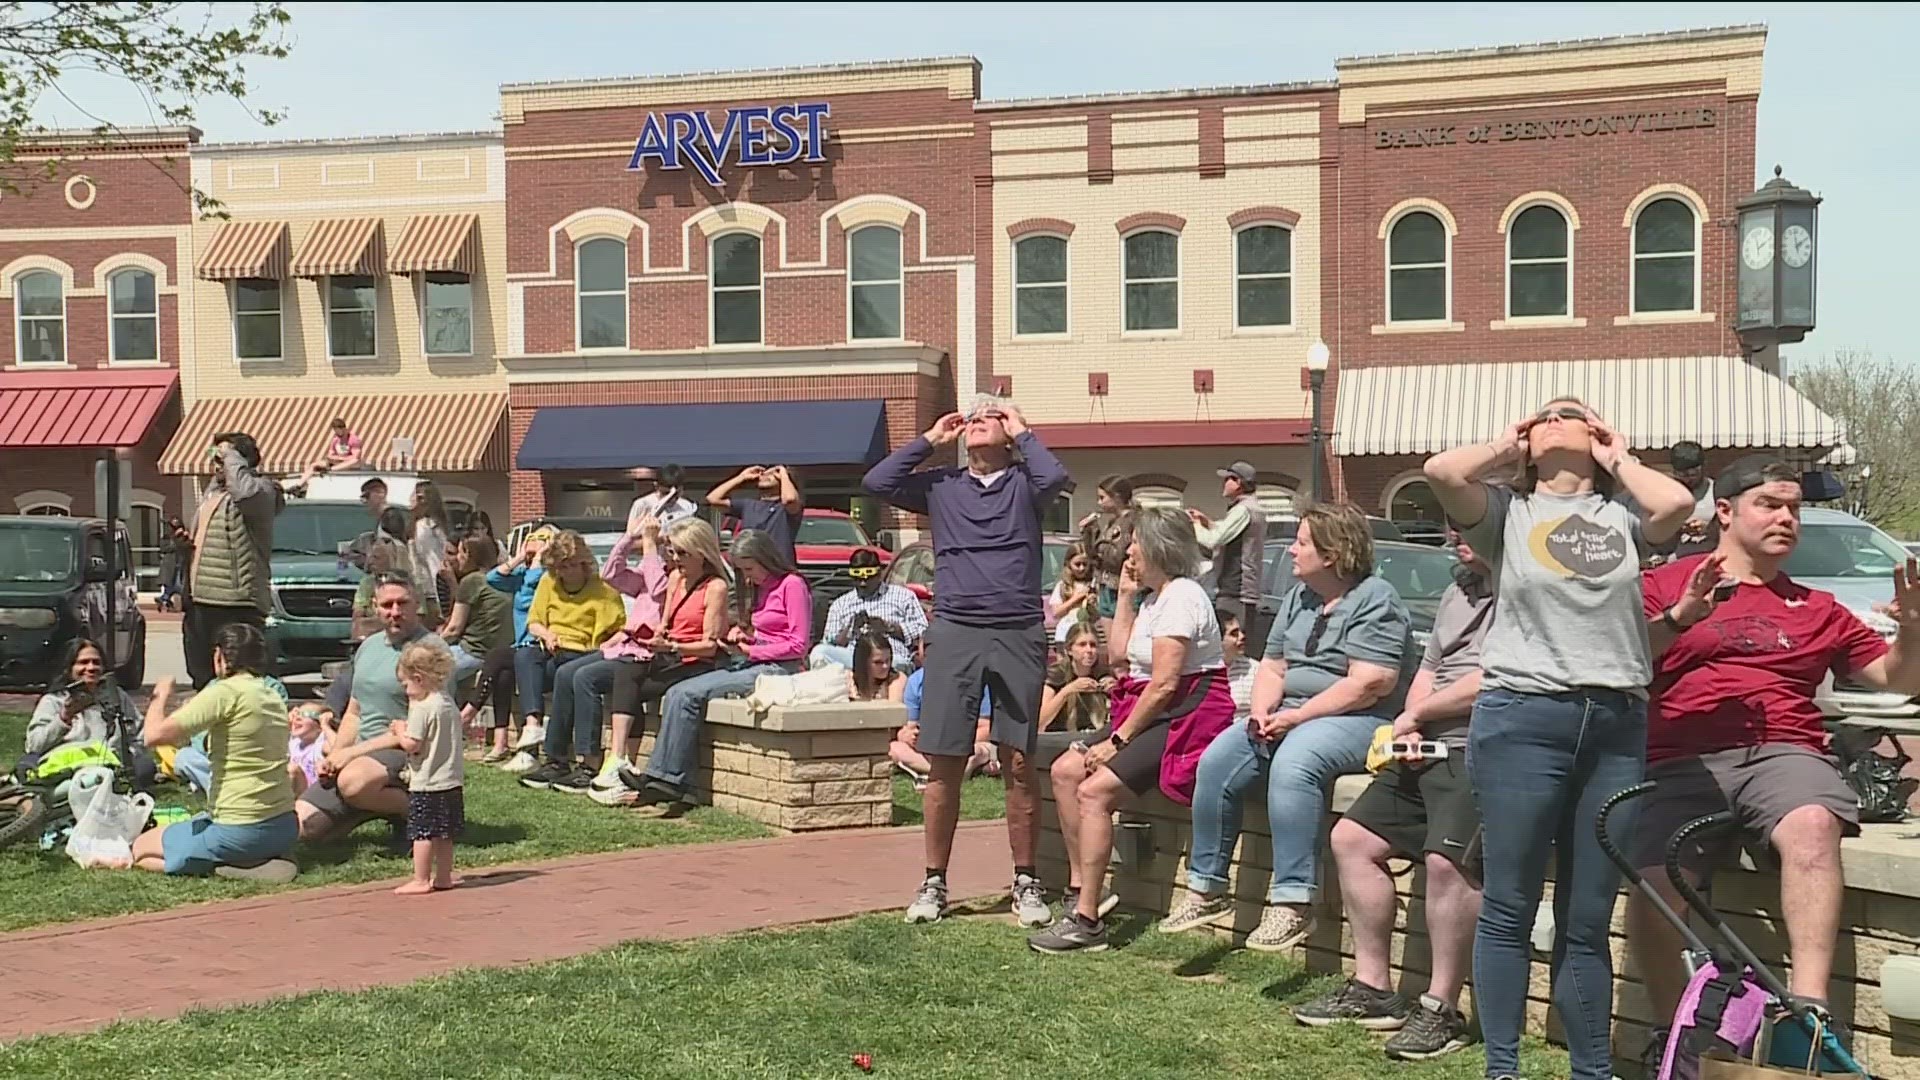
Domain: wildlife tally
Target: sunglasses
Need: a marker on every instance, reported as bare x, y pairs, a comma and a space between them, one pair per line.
1313, 635
863, 573
1567, 413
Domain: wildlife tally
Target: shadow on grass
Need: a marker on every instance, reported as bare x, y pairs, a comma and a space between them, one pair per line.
379, 841
1205, 963
1288, 987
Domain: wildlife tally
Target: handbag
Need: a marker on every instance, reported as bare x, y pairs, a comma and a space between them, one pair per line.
1875, 777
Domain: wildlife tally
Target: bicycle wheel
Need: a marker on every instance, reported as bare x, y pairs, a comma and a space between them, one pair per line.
22, 817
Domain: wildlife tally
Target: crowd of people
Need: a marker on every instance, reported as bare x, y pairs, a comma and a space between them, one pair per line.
1558, 673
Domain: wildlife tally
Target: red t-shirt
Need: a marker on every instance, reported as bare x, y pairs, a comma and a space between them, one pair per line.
1747, 674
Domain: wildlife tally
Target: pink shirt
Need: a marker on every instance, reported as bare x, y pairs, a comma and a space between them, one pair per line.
345, 446
782, 621
648, 587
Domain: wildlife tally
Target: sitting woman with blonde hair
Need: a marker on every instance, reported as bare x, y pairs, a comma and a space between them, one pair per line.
574, 612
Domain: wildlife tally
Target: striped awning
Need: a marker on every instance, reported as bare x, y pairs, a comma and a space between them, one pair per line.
462, 432
437, 243
340, 246
1716, 401
246, 249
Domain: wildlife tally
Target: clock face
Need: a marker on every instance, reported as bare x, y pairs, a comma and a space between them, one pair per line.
1757, 249
1796, 246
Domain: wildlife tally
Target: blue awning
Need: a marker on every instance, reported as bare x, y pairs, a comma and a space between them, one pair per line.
738, 433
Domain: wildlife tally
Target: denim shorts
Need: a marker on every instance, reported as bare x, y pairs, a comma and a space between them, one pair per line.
195, 846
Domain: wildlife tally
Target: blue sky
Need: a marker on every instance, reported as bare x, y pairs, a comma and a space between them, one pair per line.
1838, 108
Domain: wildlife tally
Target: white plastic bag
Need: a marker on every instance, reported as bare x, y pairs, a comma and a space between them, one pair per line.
820, 686
103, 836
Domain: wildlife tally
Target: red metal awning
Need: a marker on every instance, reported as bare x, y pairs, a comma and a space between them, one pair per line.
81, 409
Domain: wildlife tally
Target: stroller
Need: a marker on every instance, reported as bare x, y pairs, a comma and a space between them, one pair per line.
1731, 996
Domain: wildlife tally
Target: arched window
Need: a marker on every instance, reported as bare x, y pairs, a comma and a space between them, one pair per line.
41, 306
1152, 271
47, 510
1040, 285
1263, 276
1666, 246
735, 271
1539, 264
600, 282
1417, 284
874, 283
1414, 500
135, 313
1158, 495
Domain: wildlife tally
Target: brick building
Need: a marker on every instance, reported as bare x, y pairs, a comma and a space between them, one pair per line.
1516, 223
94, 246
360, 279
736, 269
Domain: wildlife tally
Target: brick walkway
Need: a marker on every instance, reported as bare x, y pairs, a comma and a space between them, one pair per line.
81, 976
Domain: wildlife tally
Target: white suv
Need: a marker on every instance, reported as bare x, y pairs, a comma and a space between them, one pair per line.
1853, 560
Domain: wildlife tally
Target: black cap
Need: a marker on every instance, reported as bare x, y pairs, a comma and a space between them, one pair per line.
1744, 475
1687, 455
863, 558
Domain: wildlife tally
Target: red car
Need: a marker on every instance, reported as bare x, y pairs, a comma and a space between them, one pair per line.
826, 541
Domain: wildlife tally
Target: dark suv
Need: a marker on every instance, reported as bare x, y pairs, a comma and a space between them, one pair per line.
54, 582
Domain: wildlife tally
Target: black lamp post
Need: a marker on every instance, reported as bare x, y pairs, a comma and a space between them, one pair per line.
1778, 241
1317, 358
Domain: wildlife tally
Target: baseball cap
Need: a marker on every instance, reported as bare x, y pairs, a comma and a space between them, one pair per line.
1743, 475
1687, 455
1239, 470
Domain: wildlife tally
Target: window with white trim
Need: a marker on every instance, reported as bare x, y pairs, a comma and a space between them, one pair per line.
600, 283
1156, 495
1666, 240
39, 299
134, 310
1539, 262
735, 272
446, 314
353, 315
875, 283
1263, 276
1417, 285
1151, 268
1040, 285
47, 510
256, 319
1414, 500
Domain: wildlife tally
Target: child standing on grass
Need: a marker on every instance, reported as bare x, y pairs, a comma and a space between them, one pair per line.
436, 808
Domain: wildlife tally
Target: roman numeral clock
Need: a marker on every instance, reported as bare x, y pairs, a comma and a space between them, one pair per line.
1777, 239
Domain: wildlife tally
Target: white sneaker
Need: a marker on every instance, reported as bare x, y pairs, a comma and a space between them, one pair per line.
532, 734
521, 764
929, 903
617, 795
1030, 903
609, 778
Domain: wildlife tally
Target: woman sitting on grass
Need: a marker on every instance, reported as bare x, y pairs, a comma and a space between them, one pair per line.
250, 827
80, 711
873, 677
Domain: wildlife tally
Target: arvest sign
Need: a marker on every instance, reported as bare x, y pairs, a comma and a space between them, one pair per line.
750, 136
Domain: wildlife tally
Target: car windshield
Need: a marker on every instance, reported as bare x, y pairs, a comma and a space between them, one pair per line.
37, 554
319, 528
1416, 573
1053, 558
831, 532
1844, 550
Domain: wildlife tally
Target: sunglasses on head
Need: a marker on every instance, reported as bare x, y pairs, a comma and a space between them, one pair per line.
1565, 412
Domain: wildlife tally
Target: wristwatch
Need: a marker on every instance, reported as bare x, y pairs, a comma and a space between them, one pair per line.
1118, 742
1667, 620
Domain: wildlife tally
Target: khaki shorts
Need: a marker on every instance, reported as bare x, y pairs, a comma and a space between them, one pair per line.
327, 800
1760, 784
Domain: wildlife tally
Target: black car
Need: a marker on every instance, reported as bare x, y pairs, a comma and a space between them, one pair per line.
55, 578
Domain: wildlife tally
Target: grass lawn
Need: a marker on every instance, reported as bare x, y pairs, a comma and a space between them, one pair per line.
505, 823
982, 798
963, 999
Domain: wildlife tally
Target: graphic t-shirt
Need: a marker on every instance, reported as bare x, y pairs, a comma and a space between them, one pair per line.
1568, 578
1747, 673
1369, 624
1181, 610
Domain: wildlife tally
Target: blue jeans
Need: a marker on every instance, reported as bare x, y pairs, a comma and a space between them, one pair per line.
579, 687
194, 847
1541, 766
1298, 770
533, 669
465, 664
684, 709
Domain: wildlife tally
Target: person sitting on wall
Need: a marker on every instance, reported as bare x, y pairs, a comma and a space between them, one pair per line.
519, 578
776, 510
1078, 683
658, 495
482, 617
875, 603
574, 612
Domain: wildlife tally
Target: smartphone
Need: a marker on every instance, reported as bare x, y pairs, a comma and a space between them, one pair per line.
1424, 749
1724, 591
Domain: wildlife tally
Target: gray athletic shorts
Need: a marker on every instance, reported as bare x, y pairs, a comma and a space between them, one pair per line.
327, 800
1760, 784
962, 662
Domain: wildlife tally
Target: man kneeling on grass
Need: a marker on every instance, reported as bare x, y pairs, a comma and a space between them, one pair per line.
1418, 809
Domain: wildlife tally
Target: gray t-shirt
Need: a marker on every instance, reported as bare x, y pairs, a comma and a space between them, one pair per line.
376, 682
1568, 580
438, 764
1368, 624
1453, 650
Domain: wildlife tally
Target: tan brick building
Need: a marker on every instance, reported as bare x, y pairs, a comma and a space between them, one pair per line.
794, 284
94, 247
361, 279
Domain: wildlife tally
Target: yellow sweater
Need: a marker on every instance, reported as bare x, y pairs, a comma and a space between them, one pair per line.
580, 621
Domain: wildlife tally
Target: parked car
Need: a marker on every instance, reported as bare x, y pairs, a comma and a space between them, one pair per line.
311, 624
1283, 529
1853, 560
1417, 572
55, 578
1430, 533
826, 541
913, 566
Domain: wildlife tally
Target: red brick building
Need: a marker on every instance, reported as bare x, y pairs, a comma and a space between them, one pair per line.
1518, 223
812, 307
94, 246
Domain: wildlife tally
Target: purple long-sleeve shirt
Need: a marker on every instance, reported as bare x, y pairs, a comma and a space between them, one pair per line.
986, 537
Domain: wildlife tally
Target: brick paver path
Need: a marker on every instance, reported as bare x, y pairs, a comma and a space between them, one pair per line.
80, 976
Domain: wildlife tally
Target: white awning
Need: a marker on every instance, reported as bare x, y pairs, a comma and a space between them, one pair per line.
1716, 401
